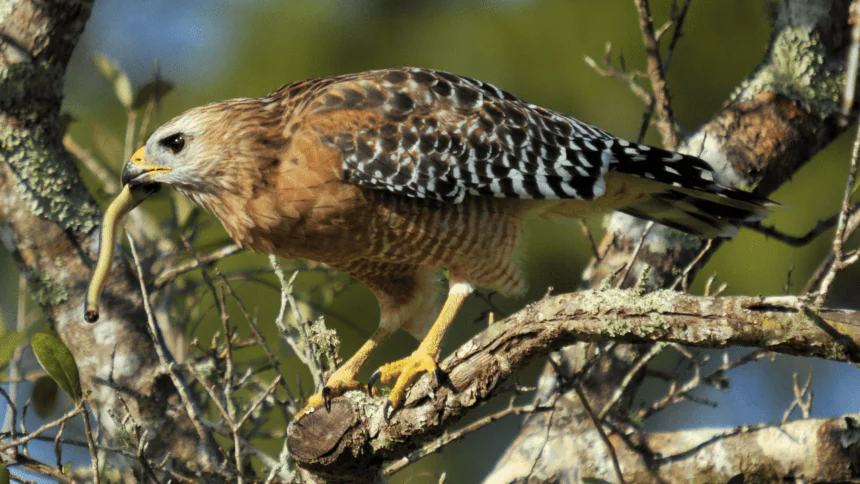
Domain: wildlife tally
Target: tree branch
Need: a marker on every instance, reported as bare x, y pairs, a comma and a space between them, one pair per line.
350, 439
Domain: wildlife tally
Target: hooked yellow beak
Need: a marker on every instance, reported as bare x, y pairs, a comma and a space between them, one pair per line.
136, 170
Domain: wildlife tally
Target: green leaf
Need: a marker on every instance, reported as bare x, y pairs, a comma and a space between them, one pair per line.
154, 89
44, 396
112, 73
58, 361
8, 343
4, 474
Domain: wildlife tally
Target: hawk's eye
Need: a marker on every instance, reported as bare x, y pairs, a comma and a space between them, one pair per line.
174, 142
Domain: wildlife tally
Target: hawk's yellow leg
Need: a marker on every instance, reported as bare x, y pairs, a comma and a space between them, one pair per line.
343, 380
404, 372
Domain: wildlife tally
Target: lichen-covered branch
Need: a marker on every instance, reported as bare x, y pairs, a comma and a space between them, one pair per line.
353, 437
819, 450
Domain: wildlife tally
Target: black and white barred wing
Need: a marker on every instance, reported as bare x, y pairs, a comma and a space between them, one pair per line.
439, 136
435, 135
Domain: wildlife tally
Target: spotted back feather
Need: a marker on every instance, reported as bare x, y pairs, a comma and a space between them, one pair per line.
435, 135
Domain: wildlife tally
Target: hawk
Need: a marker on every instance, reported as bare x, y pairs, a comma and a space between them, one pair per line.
390, 174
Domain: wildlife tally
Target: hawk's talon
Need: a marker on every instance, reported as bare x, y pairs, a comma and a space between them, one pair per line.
342, 381
374, 378
385, 411
326, 397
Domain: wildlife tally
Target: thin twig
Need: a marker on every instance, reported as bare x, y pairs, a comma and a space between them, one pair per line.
107, 178
599, 428
42, 468
31, 435
666, 123
251, 322
799, 241
302, 346
94, 454
640, 363
587, 232
168, 274
639, 245
840, 262
629, 78
450, 437
259, 401
681, 278
169, 363
15, 362
802, 398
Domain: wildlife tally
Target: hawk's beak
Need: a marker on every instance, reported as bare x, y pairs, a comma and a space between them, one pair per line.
137, 172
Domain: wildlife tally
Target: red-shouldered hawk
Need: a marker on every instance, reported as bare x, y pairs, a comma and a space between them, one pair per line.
388, 174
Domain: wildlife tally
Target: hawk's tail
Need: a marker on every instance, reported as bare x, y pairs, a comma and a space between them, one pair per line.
684, 195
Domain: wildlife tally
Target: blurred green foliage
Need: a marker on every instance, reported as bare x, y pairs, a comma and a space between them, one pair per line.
534, 49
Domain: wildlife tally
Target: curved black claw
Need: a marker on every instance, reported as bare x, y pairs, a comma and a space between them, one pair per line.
374, 377
385, 409
326, 396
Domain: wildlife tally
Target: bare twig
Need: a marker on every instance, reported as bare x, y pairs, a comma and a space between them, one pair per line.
94, 454
298, 339
450, 437
666, 123
645, 232
251, 322
168, 274
799, 241
609, 447
587, 232
259, 401
15, 362
643, 360
802, 398
683, 277
169, 364
108, 179
35, 433
840, 261
607, 69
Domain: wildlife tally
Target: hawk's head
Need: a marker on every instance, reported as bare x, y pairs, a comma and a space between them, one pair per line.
178, 154
201, 151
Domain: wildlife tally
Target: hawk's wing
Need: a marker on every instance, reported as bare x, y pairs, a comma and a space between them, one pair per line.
436, 135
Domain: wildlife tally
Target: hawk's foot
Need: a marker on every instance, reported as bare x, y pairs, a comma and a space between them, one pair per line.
339, 383
404, 373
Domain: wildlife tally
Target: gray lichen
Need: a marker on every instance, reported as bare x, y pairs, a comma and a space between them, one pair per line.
30, 142
45, 290
798, 68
